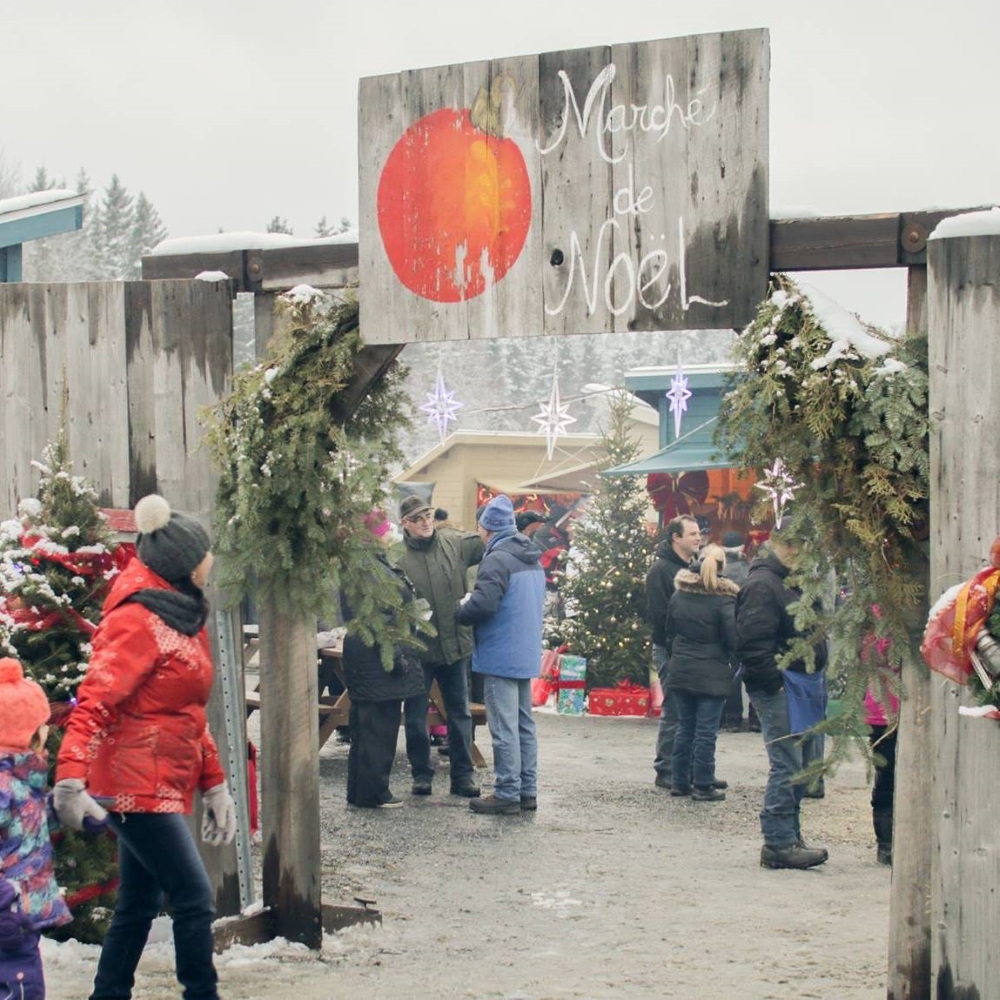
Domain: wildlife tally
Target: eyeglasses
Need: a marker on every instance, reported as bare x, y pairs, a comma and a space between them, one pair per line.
424, 518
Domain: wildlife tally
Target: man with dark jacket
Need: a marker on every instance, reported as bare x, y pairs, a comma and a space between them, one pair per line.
673, 554
764, 631
505, 608
436, 561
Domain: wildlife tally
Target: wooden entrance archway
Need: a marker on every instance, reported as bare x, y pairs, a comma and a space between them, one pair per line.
290, 777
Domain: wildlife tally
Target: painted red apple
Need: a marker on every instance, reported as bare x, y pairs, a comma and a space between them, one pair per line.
454, 206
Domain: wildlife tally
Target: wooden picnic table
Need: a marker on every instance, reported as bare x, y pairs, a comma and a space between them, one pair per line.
335, 708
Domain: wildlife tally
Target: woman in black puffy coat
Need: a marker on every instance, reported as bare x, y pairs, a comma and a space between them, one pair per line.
701, 643
377, 697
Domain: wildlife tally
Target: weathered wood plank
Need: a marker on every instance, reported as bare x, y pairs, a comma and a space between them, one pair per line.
830, 244
577, 181
261, 926
185, 266
698, 197
913, 822
963, 316
51, 336
290, 771
513, 305
328, 265
263, 321
893, 239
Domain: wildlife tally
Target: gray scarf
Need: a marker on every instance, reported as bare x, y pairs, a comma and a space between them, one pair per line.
185, 610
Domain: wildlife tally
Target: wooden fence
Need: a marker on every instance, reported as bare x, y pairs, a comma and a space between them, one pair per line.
135, 361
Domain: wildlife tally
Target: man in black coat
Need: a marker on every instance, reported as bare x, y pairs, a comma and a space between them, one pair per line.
673, 554
764, 631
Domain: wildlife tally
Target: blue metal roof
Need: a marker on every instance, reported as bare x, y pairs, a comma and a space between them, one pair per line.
693, 448
33, 217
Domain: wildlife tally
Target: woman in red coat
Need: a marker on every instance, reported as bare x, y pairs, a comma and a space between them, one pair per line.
138, 744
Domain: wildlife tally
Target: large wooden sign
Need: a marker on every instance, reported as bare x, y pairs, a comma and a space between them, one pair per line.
616, 188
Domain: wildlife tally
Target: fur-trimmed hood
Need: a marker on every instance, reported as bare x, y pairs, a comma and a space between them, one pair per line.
690, 582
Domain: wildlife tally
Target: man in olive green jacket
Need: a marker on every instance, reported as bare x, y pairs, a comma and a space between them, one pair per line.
436, 563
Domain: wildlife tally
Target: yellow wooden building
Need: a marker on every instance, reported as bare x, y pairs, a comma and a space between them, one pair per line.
516, 463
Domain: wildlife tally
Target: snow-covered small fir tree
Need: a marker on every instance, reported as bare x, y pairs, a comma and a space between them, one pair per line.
56, 563
116, 218
147, 231
605, 580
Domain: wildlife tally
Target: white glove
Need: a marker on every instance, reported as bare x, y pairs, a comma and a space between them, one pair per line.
74, 805
218, 820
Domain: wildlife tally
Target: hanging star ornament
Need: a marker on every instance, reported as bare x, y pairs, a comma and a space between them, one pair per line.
553, 418
441, 407
678, 394
779, 486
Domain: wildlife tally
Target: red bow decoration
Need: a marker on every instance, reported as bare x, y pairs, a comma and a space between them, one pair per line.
680, 494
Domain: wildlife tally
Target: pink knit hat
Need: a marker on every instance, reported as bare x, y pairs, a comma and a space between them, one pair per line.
23, 706
377, 523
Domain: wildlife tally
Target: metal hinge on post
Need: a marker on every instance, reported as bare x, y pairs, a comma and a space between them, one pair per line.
236, 748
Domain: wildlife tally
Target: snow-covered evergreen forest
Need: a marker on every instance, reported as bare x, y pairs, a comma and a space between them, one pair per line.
502, 383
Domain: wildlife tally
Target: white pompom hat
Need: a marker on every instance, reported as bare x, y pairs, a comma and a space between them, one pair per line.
171, 544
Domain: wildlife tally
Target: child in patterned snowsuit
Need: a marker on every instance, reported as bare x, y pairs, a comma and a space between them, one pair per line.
29, 897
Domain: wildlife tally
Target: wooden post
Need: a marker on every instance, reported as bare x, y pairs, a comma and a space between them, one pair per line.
290, 772
963, 317
909, 923
263, 321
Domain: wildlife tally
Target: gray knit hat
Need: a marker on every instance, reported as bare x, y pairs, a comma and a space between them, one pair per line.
170, 544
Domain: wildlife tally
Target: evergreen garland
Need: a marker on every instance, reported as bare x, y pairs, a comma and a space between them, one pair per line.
848, 417
56, 563
300, 475
605, 582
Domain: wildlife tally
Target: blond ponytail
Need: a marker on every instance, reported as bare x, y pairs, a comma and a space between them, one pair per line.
713, 562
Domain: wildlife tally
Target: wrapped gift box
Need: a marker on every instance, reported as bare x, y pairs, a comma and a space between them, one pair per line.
570, 685
621, 700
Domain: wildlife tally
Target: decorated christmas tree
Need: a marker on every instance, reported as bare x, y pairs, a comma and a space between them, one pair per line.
604, 582
56, 562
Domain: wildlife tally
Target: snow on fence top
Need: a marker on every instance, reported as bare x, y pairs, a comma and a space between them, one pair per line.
972, 224
229, 242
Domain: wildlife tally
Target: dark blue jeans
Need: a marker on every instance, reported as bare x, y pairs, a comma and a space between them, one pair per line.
157, 857
453, 681
667, 730
698, 718
779, 819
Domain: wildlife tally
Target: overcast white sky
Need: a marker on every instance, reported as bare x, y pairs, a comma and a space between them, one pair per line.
227, 113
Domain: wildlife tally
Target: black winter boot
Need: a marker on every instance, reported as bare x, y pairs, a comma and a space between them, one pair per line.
882, 821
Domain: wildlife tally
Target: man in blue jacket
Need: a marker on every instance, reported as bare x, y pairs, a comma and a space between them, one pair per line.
505, 609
